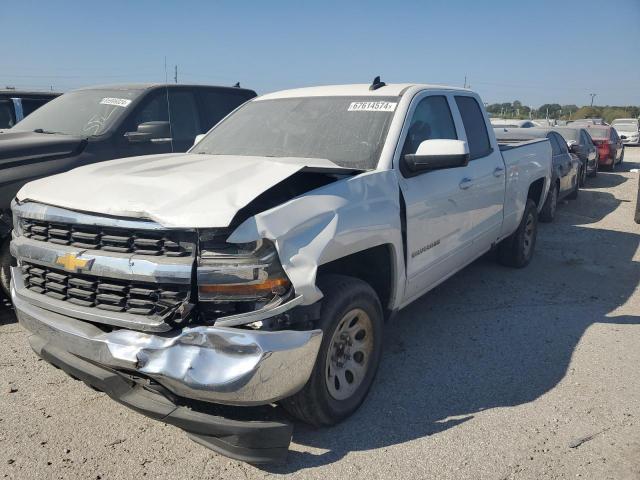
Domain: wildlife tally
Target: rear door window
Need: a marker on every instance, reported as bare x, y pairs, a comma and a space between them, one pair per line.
475, 126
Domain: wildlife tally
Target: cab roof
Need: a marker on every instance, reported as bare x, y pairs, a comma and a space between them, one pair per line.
354, 90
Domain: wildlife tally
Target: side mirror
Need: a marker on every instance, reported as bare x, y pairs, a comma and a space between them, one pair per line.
436, 155
156, 132
198, 138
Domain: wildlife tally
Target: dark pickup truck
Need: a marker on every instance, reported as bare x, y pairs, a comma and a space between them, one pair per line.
17, 104
102, 123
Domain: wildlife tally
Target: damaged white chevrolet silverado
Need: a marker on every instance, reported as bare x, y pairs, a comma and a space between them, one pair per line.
203, 289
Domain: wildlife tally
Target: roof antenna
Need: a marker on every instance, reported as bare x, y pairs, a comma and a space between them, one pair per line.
237, 85
376, 84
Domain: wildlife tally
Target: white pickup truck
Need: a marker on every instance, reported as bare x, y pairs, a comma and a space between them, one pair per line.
203, 289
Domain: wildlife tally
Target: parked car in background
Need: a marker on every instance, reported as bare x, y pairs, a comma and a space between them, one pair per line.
588, 121
580, 143
565, 174
260, 266
512, 123
628, 129
609, 143
17, 104
101, 123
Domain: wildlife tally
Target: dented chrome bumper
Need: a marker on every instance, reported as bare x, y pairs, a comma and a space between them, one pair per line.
214, 364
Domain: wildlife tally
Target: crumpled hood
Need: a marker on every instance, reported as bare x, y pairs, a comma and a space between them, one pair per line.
174, 190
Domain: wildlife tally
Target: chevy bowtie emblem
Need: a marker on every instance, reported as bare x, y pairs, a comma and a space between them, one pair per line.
71, 262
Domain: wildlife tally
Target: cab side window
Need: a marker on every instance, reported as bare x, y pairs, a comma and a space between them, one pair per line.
431, 120
555, 147
475, 126
185, 121
562, 144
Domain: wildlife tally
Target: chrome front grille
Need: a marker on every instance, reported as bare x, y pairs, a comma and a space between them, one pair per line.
111, 239
136, 298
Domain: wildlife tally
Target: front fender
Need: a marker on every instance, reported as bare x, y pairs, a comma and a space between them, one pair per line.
331, 222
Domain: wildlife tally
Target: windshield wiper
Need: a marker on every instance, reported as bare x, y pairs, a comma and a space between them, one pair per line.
40, 130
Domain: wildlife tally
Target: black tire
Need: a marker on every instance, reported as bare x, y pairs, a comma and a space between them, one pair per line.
595, 170
574, 193
6, 260
582, 176
517, 249
621, 157
548, 212
314, 404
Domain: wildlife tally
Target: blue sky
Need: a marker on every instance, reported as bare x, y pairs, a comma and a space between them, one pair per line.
536, 52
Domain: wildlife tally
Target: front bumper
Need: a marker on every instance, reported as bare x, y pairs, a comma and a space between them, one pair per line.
212, 364
182, 377
254, 437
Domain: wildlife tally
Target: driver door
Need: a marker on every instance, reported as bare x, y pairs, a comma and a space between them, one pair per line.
438, 207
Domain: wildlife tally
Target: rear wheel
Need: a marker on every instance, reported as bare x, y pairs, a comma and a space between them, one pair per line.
517, 250
583, 175
351, 321
548, 212
595, 170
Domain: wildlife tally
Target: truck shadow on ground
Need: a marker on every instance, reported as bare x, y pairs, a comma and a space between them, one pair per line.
489, 337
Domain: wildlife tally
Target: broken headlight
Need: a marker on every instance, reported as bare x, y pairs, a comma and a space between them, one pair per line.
248, 272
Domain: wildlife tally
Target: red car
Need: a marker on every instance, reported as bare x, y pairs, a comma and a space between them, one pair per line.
609, 144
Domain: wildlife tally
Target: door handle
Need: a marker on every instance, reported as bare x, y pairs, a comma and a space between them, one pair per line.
498, 172
465, 183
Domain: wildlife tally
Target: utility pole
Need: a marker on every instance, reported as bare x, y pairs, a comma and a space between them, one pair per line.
465, 82
175, 74
593, 95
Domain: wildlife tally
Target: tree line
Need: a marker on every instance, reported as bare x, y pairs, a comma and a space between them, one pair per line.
556, 111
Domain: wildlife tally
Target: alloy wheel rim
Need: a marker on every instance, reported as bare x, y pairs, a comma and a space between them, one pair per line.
349, 355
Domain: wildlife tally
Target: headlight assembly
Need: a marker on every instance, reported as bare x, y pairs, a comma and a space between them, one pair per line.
238, 272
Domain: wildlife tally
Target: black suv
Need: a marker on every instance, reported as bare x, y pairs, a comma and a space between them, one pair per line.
17, 104
102, 123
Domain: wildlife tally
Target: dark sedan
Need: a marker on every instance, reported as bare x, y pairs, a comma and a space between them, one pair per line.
609, 143
580, 143
565, 181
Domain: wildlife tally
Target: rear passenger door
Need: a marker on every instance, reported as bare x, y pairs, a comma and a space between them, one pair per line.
486, 175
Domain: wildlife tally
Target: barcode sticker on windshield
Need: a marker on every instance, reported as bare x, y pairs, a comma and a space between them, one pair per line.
119, 102
372, 107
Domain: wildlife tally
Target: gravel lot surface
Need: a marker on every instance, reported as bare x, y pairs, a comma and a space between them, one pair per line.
496, 374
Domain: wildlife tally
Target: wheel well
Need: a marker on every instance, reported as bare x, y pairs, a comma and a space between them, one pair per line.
373, 265
535, 191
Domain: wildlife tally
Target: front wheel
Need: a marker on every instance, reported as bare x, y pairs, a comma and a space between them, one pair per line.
351, 321
517, 249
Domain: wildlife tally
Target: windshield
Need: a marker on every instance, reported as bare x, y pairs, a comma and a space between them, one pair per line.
84, 113
598, 133
569, 133
349, 131
626, 126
